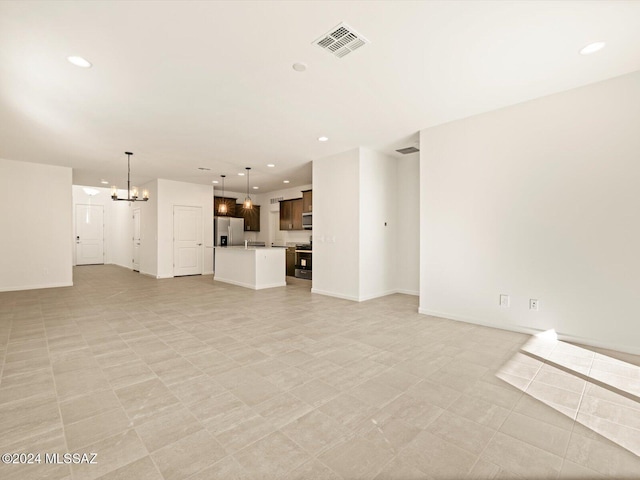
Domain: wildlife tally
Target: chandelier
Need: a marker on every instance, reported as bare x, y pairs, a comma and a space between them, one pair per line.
132, 193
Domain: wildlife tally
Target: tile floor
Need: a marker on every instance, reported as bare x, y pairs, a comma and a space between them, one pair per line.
188, 379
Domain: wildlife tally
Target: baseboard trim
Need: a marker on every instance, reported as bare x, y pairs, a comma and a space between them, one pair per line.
364, 298
35, 287
532, 331
334, 294
415, 293
376, 295
121, 266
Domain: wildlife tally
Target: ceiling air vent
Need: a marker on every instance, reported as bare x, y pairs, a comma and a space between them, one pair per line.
341, 40
408, 150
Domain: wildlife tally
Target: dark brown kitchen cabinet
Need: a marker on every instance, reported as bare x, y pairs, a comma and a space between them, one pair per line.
285, 215
307, 197
290, 267
296, 214
251, 217
229, 202
291, 214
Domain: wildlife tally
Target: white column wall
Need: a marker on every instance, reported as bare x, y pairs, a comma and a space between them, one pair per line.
408, 241
378, 224
36, 213
538, 200
149, 230
336, 206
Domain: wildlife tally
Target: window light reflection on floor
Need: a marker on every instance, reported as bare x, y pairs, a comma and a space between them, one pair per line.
595, 390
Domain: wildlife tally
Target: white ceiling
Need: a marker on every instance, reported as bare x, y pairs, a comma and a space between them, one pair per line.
210, 84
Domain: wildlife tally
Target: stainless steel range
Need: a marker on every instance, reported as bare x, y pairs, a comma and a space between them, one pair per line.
303, 261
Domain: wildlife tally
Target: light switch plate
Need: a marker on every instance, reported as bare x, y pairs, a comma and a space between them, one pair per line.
504, 301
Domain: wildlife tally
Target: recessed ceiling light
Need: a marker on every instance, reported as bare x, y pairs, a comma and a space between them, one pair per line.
299, 66
214, 181
104, 182
592, 48
323, 139
79, 62
285, 181
241, 174
256, 188
270, 165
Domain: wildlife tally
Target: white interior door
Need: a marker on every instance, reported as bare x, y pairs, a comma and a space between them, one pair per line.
187, 241
136, 240
89, 234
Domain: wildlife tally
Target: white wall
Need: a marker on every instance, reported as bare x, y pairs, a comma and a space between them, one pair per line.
378, 224
538, 200
171, 193
118, 224
336, 208
149, 230
36, 214
408, 220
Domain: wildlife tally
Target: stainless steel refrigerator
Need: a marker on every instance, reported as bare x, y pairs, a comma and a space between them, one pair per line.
228, 231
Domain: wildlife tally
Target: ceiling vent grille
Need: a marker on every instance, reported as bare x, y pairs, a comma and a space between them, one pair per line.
408, 150
341, 40
276, 200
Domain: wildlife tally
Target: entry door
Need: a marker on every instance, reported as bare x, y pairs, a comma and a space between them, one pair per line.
89, 234
136, 240
187, 241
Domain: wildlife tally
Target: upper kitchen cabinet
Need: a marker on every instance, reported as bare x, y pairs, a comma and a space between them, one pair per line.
296, 214
291, 214
229, 202
307, 197
251, 217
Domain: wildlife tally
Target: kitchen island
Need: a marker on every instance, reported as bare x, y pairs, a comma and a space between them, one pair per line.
252, 267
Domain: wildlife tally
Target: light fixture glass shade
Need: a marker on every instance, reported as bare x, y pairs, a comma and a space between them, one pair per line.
222, 206
134, 192
114, 191
145, 194
248, 205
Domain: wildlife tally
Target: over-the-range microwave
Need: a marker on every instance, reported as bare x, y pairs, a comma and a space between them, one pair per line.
307, 221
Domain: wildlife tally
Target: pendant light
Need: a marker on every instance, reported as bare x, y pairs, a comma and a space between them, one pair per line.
132, 193
248, 205
222, 206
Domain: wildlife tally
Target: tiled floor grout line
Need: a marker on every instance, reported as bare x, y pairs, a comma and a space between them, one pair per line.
149, 454
573, 425
278, 335
515, 404
55, 387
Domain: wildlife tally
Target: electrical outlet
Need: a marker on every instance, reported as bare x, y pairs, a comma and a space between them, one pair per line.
533, 304
504, 301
